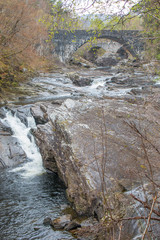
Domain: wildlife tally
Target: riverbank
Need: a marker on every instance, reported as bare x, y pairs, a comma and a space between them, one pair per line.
16, 74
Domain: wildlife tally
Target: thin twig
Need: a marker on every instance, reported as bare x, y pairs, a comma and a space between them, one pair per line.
141, 218
120, 231
149, 217
145, 205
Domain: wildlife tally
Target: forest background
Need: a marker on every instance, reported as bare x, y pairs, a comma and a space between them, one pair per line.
26, 27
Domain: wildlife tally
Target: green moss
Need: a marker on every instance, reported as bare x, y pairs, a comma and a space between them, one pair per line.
158, 56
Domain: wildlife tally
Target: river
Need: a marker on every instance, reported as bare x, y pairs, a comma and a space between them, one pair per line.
27, 193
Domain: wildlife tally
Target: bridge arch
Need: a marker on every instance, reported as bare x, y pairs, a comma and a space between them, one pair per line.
124, 45
100, 49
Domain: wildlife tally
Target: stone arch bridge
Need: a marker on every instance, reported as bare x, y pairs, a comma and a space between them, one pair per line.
67, 42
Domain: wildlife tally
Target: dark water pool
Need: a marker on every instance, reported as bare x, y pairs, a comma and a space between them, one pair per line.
25, 202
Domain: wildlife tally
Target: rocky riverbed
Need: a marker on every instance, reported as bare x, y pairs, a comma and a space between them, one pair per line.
98, 129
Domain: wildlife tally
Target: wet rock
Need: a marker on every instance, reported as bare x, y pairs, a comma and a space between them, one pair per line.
57, 102
40, 114
11, 152
82, 62
83, 82
22, 98
143, 90
47, 221
43, 108
46, 132
110, 61
80, 81
72, 225
36, 228
5, 130
61, 222
23, 113
2, 113
2, 163
136, 91
114, 79
53, 92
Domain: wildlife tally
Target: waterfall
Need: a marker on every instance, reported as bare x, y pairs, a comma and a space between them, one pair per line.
26, 140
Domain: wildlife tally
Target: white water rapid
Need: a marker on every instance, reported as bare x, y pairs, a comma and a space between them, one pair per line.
22, 132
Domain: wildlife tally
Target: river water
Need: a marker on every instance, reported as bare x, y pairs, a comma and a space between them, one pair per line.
27, 193
25, 202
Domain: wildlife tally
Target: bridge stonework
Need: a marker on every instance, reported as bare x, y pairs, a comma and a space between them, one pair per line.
67, 42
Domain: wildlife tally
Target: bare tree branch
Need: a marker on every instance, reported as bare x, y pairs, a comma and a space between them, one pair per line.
149, 217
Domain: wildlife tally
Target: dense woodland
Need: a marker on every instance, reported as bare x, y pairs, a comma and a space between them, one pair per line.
20, 32
27, 25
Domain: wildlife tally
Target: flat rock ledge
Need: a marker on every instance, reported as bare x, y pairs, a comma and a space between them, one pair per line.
95, 146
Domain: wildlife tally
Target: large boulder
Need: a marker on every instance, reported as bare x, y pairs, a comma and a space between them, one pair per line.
11, 152
39, 114
106, 61
61, 222
79, 80
97, 148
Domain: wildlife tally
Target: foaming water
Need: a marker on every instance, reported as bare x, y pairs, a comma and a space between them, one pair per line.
65, 88
22, 133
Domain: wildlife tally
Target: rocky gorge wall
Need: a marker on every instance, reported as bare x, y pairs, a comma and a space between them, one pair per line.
94, 149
